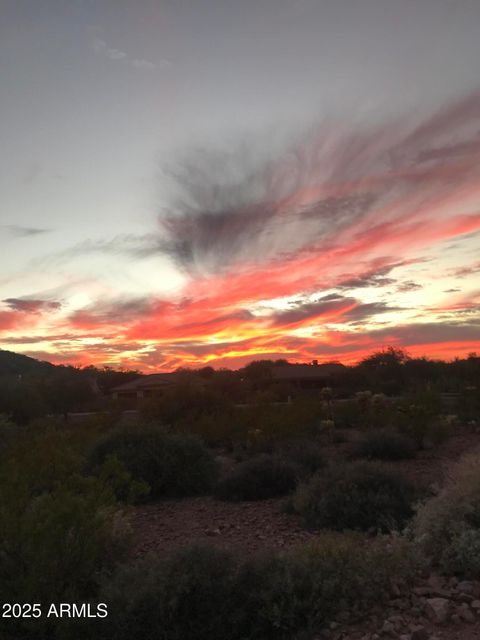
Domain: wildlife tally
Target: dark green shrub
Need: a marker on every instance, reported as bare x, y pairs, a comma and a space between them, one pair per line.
54, 546
462, 555
278, 596
186, 596
206, 594
346, 414
385, 444
306, 455
359, 496
257, 479
417, 416
172, 464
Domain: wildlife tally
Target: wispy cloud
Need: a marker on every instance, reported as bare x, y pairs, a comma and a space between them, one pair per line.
31, 305
20, 231
102, 48
357, 186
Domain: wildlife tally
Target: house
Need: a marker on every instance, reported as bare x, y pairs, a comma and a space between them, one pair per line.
146, 386
307, 376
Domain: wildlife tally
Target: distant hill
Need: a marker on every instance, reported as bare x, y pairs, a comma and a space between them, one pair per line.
16, 363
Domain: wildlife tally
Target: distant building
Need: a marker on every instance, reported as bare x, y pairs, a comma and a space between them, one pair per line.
308, 376
149, 386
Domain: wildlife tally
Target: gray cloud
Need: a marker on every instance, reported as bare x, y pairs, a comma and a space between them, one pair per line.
31, 305
466, 271
115, 311
408, 285
263, 201
21, 231
349, 310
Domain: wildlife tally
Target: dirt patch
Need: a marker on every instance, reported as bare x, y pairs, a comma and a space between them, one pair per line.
248, 526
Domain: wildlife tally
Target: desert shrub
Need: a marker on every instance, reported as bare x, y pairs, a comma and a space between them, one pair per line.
45, 458
119, 480
306, 455
447, 526
257, 479
346, 414
360, 495
417, 417
8, 431
462, 555
385, 444
172, 464
183, 597
278, 596
200, 593
213, 428
54, 546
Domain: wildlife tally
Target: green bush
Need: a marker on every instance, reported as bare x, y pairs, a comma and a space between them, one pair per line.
183, 597
447, 526
55, 546
418, 417
346, 414
172, 464
257, 479
359, 496
202, 593
305, 455
45, 459
385, 444
462, 555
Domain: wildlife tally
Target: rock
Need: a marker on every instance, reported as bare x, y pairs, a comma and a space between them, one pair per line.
437, 610
465, 587
476, 605
433, 592
436, 582
464, 597
422, 591
466, 614
388, 629
419, 633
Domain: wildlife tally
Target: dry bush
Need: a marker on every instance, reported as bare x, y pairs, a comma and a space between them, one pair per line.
447, 526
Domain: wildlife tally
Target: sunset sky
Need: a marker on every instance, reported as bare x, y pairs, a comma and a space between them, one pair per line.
192, 182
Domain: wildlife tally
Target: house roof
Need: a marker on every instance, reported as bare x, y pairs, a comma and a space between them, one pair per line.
144, 382
306, 371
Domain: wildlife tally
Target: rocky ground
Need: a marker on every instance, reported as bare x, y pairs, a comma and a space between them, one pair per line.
248, 526
435, 609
